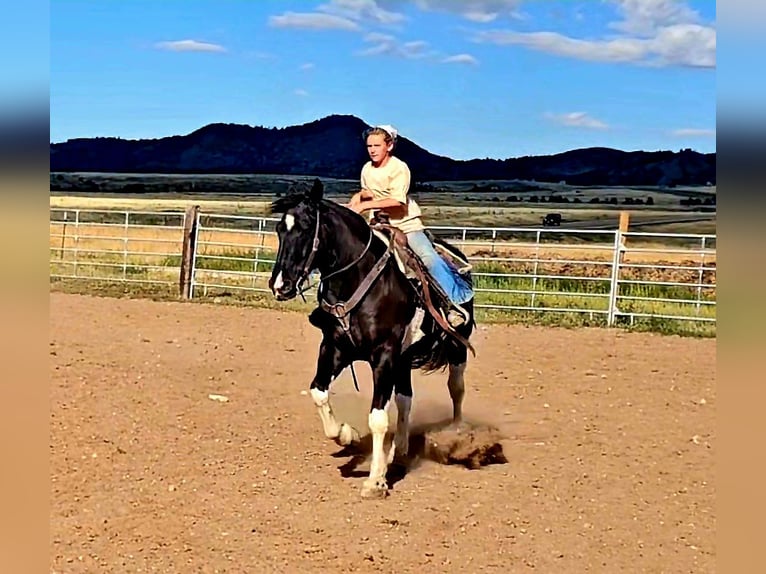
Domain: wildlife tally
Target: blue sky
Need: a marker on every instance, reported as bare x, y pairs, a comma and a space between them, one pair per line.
462, 78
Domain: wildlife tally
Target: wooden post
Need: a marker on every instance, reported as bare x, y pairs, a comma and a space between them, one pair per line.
187, 253
63, 236
624, 224
617, 256
624, 221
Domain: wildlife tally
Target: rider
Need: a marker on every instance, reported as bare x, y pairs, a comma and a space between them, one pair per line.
385, 181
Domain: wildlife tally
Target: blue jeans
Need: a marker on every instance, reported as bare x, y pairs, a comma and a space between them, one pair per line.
456, 288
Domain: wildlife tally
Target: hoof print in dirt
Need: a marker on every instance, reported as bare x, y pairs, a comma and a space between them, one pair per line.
472, 447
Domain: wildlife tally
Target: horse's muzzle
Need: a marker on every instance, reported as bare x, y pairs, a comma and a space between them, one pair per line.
282, 288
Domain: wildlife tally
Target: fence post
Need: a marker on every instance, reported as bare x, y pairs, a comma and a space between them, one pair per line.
536, 266
624, 224
188, 247
125, 246
615, 278
701, 276
63, 236
76, 239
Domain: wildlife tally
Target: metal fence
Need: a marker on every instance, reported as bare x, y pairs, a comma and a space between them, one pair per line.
609, 277
116, 246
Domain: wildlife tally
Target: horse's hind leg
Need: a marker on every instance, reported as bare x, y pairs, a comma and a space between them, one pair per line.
403, 397
456, 383
329, 364
456, 386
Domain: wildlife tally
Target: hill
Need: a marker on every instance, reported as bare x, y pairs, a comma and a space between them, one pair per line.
332, 147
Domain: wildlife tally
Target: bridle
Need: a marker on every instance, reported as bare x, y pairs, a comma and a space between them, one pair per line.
312, 255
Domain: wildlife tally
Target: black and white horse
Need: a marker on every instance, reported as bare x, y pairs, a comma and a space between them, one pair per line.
368, 311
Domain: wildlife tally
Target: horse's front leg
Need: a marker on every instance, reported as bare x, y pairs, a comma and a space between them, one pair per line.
329, 364
383, 377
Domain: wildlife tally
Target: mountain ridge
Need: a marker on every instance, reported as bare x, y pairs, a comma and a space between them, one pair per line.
304, 150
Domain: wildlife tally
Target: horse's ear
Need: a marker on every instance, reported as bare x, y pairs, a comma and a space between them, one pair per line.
316, 192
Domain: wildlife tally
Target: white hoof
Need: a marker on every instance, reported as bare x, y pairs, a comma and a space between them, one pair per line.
374, 488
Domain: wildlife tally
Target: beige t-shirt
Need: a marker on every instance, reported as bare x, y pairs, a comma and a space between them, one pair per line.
393, 180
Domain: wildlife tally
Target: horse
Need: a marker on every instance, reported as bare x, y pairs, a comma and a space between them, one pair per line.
368, 310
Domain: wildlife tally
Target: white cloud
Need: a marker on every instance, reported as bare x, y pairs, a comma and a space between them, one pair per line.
686, 44
385, 44
645, 17
460, 59
655, 32
625, 50
577, 120
362, 10
693, 132
189, 46
480, 11
307, 66
312, 21
300, 92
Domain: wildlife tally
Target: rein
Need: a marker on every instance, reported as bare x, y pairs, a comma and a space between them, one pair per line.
314, 248
342, 309
307, 266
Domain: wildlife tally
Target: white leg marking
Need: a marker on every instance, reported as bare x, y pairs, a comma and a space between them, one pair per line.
413, 334
402, 436
341, 433
278, 282
456, 386
375, 485
289, 221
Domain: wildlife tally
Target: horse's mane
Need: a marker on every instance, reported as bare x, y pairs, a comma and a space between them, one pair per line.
293, 198
301, 193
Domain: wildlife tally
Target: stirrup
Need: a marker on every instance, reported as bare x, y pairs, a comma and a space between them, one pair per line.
457, 316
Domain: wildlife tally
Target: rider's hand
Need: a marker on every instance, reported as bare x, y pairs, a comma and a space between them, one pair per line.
357, 206
355, 202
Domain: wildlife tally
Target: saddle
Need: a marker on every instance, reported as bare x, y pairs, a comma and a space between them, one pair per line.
417, 273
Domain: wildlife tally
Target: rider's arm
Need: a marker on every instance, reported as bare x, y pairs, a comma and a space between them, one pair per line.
382, 203
360, 196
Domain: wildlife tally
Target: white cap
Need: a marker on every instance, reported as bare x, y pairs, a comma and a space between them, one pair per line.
390, 130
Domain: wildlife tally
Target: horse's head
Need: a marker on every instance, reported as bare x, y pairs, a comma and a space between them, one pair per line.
298, 234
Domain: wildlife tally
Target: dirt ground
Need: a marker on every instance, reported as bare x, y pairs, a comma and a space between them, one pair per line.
609, 438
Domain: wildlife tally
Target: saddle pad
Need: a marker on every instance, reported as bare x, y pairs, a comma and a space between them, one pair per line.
409, 273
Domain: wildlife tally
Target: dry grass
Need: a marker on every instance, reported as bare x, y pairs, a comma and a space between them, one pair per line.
646, 253
438, 209
163, 240
158, 204
152, 239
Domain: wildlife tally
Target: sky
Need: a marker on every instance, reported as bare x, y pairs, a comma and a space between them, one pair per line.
461, 78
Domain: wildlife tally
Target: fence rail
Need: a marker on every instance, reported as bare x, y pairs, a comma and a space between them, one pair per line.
611, 276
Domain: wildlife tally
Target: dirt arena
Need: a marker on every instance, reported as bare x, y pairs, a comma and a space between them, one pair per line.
610, 440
